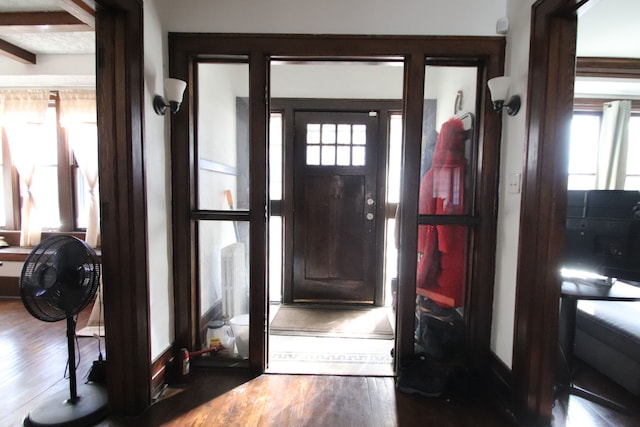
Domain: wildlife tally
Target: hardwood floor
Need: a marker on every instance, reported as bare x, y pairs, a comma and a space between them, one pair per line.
32, 363
574, 411
306, 400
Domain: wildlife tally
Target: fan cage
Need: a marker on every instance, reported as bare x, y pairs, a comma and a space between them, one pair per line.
74, 267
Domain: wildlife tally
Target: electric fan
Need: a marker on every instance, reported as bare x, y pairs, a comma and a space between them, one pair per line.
59, 279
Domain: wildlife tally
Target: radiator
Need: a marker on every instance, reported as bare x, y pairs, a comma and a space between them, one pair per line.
235, 289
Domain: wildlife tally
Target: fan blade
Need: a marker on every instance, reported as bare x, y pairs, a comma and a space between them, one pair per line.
69, 257
46, 277
59, 278
69, 262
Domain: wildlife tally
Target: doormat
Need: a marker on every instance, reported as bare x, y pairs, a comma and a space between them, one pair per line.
357, 358
332, 322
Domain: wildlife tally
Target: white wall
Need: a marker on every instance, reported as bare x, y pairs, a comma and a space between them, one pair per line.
434, 17
50, 71
158, 185
443, 83
511, 162
364, 81
609, 28
338, 81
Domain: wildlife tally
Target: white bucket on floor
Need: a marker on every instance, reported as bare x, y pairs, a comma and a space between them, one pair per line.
240, 327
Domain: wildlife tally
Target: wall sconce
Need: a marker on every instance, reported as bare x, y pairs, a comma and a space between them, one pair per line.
173, 89
499, 88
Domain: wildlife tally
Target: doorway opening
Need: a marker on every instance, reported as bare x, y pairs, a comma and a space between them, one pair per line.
334, 171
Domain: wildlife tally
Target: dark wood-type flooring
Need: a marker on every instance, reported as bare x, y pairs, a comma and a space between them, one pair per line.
32, 366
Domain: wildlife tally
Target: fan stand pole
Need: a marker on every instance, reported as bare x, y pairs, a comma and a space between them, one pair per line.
71, 334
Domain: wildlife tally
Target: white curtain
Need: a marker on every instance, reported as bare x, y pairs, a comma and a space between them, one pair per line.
22, 113
613, 146
78, 117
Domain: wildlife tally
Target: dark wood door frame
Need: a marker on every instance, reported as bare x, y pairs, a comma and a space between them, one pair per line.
543, 207
185, 49
120, 104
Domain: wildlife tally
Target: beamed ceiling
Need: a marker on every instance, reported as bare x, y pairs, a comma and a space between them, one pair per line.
45, 27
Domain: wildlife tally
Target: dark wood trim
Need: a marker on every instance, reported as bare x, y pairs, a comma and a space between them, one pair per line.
345, 46
595, 104
15, 252
479, 291
414, 75
16, 53
258, 160
9, 286
543, 207
327, 104
448, 219
628, 68
183, 125
29, 22
500, 380
288, 161
160, 368
241, 215
119, 92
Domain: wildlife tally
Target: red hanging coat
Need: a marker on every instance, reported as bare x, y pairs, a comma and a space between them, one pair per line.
442, 248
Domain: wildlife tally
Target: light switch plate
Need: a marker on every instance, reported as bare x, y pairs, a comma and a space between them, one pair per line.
513, 184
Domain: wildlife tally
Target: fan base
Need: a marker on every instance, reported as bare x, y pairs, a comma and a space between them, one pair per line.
58, 410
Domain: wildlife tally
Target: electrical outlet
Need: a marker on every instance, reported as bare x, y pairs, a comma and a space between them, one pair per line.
513, 184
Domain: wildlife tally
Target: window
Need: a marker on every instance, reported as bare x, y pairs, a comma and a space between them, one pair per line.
58, 186
633, 166
583, 151
330, 144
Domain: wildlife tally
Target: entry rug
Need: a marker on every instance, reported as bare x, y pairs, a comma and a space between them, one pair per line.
371, 323
357, 358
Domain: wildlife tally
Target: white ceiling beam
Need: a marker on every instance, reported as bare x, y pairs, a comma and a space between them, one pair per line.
80, 10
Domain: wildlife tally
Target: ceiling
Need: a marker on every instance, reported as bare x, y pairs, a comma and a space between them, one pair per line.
46, 27
29, 28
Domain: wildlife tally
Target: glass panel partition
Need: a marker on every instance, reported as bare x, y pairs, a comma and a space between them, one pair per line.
222, 213
223, 136
445, 207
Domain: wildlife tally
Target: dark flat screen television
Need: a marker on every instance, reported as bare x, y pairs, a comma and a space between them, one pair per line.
603, 233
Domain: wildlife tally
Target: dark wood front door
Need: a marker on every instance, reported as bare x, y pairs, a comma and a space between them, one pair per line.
334, 244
